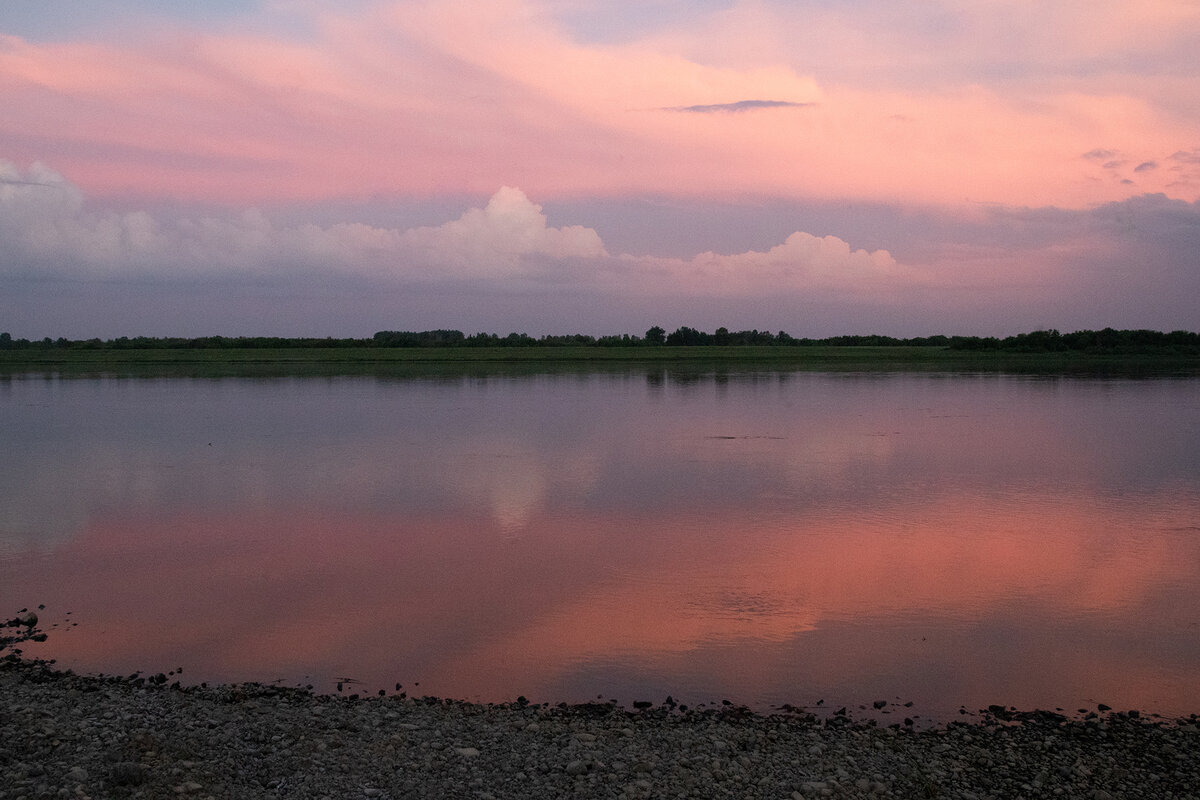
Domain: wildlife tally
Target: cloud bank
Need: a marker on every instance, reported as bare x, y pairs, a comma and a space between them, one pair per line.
79, 268
47, 230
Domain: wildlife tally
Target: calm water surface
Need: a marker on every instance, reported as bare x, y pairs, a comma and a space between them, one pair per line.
767, 538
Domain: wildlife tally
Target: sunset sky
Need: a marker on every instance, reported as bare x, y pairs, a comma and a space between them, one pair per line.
292, 167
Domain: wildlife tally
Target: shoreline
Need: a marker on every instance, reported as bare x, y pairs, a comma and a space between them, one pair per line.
137, 737
441, 361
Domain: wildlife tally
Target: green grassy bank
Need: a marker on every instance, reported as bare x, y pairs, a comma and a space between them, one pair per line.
423, 360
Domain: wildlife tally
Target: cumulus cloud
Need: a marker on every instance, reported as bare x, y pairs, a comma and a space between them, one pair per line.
802, 263
48, 230
501, 237
739, 106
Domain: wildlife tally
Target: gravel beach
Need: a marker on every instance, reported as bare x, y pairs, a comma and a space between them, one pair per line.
66, 735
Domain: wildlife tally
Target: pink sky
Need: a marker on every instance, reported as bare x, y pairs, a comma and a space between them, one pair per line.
921, 168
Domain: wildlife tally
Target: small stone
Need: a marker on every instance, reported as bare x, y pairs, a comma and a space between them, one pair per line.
880, 703
77, 774
372, 792
126, 773
28, 619
576, 768
469, 752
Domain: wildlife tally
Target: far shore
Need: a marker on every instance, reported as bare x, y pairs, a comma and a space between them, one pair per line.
219, 362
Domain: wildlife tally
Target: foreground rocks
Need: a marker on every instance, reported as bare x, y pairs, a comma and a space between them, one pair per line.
63, 735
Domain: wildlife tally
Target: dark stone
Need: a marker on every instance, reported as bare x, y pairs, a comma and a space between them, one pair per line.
879, 704
593, 709
1103, 707
127, 773
1000, 712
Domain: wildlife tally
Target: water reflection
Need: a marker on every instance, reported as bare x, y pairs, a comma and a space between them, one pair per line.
768, 538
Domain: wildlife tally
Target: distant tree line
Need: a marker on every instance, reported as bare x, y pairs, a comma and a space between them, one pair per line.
175, 343
1104, 341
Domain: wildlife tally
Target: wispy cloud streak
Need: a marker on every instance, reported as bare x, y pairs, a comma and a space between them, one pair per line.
408, 99
739, 106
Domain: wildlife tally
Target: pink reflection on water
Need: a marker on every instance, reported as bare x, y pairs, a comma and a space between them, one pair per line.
1035, 600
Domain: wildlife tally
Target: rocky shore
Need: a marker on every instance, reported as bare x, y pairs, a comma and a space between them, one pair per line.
67, 735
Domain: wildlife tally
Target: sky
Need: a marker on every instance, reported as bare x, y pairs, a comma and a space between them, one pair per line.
822, 167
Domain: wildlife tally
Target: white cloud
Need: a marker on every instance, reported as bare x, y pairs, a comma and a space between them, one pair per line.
498, 238
802, 263
47, 229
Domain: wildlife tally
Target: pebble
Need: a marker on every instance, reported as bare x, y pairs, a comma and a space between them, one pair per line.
127, 773
114, 737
